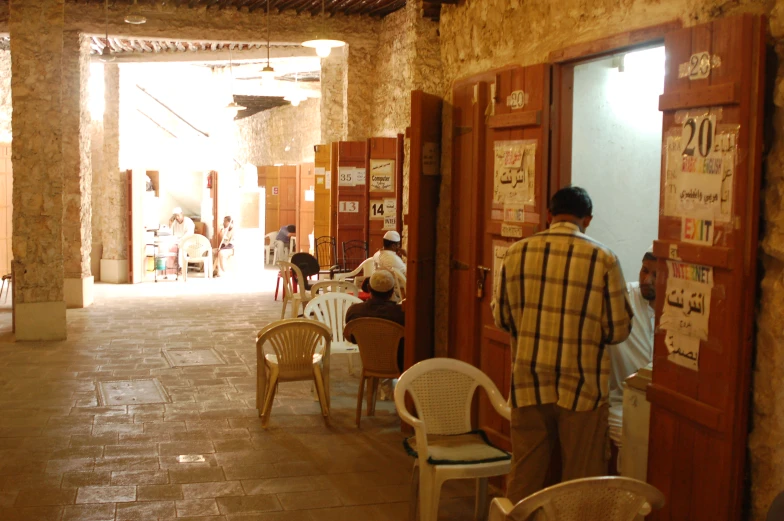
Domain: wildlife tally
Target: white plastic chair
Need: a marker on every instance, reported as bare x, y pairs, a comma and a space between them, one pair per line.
301, 297
400, 284
196, 249
300, 351
336, 286
330, 309
444, 444
362, 272
269, 248
609, 498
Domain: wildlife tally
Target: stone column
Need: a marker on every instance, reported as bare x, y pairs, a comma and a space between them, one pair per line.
36, 28
114, 259
333, 94
77, 171
360, 85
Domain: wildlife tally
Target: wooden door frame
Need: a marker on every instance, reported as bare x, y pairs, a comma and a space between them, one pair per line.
562, 83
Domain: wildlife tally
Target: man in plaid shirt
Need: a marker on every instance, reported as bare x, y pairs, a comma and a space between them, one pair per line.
562, 297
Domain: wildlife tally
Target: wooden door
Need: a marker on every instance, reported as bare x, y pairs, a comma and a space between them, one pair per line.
272, 221
217, 222
306, 196
501, 162
129, 216
699, 415
423, 189
351, 195
322, 207
384, 198
287, 200
6, 209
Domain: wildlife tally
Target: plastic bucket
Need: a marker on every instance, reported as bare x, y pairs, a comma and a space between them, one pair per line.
160, 263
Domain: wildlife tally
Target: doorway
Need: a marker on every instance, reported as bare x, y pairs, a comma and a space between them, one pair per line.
616, 148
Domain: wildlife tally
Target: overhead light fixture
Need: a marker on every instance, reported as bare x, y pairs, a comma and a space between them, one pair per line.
296, 96
232, 108
106, 52
268, 73
323, 46
134, 15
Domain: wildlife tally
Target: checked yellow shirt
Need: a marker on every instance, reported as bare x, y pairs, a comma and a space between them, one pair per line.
562, 297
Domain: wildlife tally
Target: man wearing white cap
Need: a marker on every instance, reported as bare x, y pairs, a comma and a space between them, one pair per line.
381, 305
389, 257
181, 225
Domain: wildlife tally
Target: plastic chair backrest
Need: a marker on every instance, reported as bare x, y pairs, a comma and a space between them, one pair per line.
378, 342
325, 251
609, 498
330, 309
400, 284
307, 263
776, 512
336, 286
285, 271
195, 246
442, 390
294, 342
271, 238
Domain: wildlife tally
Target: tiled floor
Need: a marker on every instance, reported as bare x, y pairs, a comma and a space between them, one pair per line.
65, 457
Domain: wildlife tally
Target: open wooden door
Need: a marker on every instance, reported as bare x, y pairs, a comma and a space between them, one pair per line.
305, 200
272, 221
351, 196
712, 133
384, 197
423, 188
500, 196
322, 205
287, 210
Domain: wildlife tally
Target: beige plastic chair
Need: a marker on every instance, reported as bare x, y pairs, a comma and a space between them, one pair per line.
400, 284
330, 309
608, 498
362, 272
378, 342
298, 350
336, 286
269, 248
298, 299
196, 249
445, 445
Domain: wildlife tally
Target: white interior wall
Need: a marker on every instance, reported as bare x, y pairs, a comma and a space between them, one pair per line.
616, 150
183, 189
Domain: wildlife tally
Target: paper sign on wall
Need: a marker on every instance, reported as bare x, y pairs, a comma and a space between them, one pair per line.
687, 299
390, 223
328, 180
499, 252
390, 206
431, 158
376, 209
319, 179
510, 230
310, 195
514, 172
274, 190
382, 175
347, 176
683, 350
514, 213
359, 176
320, 170
698, 231
348, 206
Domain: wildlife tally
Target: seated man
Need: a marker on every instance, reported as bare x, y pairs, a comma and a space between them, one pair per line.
390, 255
181, 226
225, 246
380, 305
636, 351
283, 241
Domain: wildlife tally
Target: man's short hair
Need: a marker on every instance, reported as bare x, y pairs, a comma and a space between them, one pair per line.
389, 244
649, 257
385, 295
291, 228
571, 200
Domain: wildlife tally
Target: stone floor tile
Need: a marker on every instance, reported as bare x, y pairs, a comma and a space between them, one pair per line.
196, 507
240, 504
236, 445
106, 494
213, 490
287, 485
158, 492
7, 498
86, 479
53, 513
141, 511
140, 477
250, 472
60, 466
96, 512
287, 515
125, 450
309, 500
196, 475
191, 447
45, 496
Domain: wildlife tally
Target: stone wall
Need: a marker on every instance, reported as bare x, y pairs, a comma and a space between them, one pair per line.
392, 95
77, 168
36, 45
333, 97
98, 188
115, 219
477, 36
5, 96
263, 138
360, 84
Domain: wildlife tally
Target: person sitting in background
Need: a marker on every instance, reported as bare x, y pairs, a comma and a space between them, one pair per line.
283, 240
390, 255
636, 351
180, 225
381, 305
225, 247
